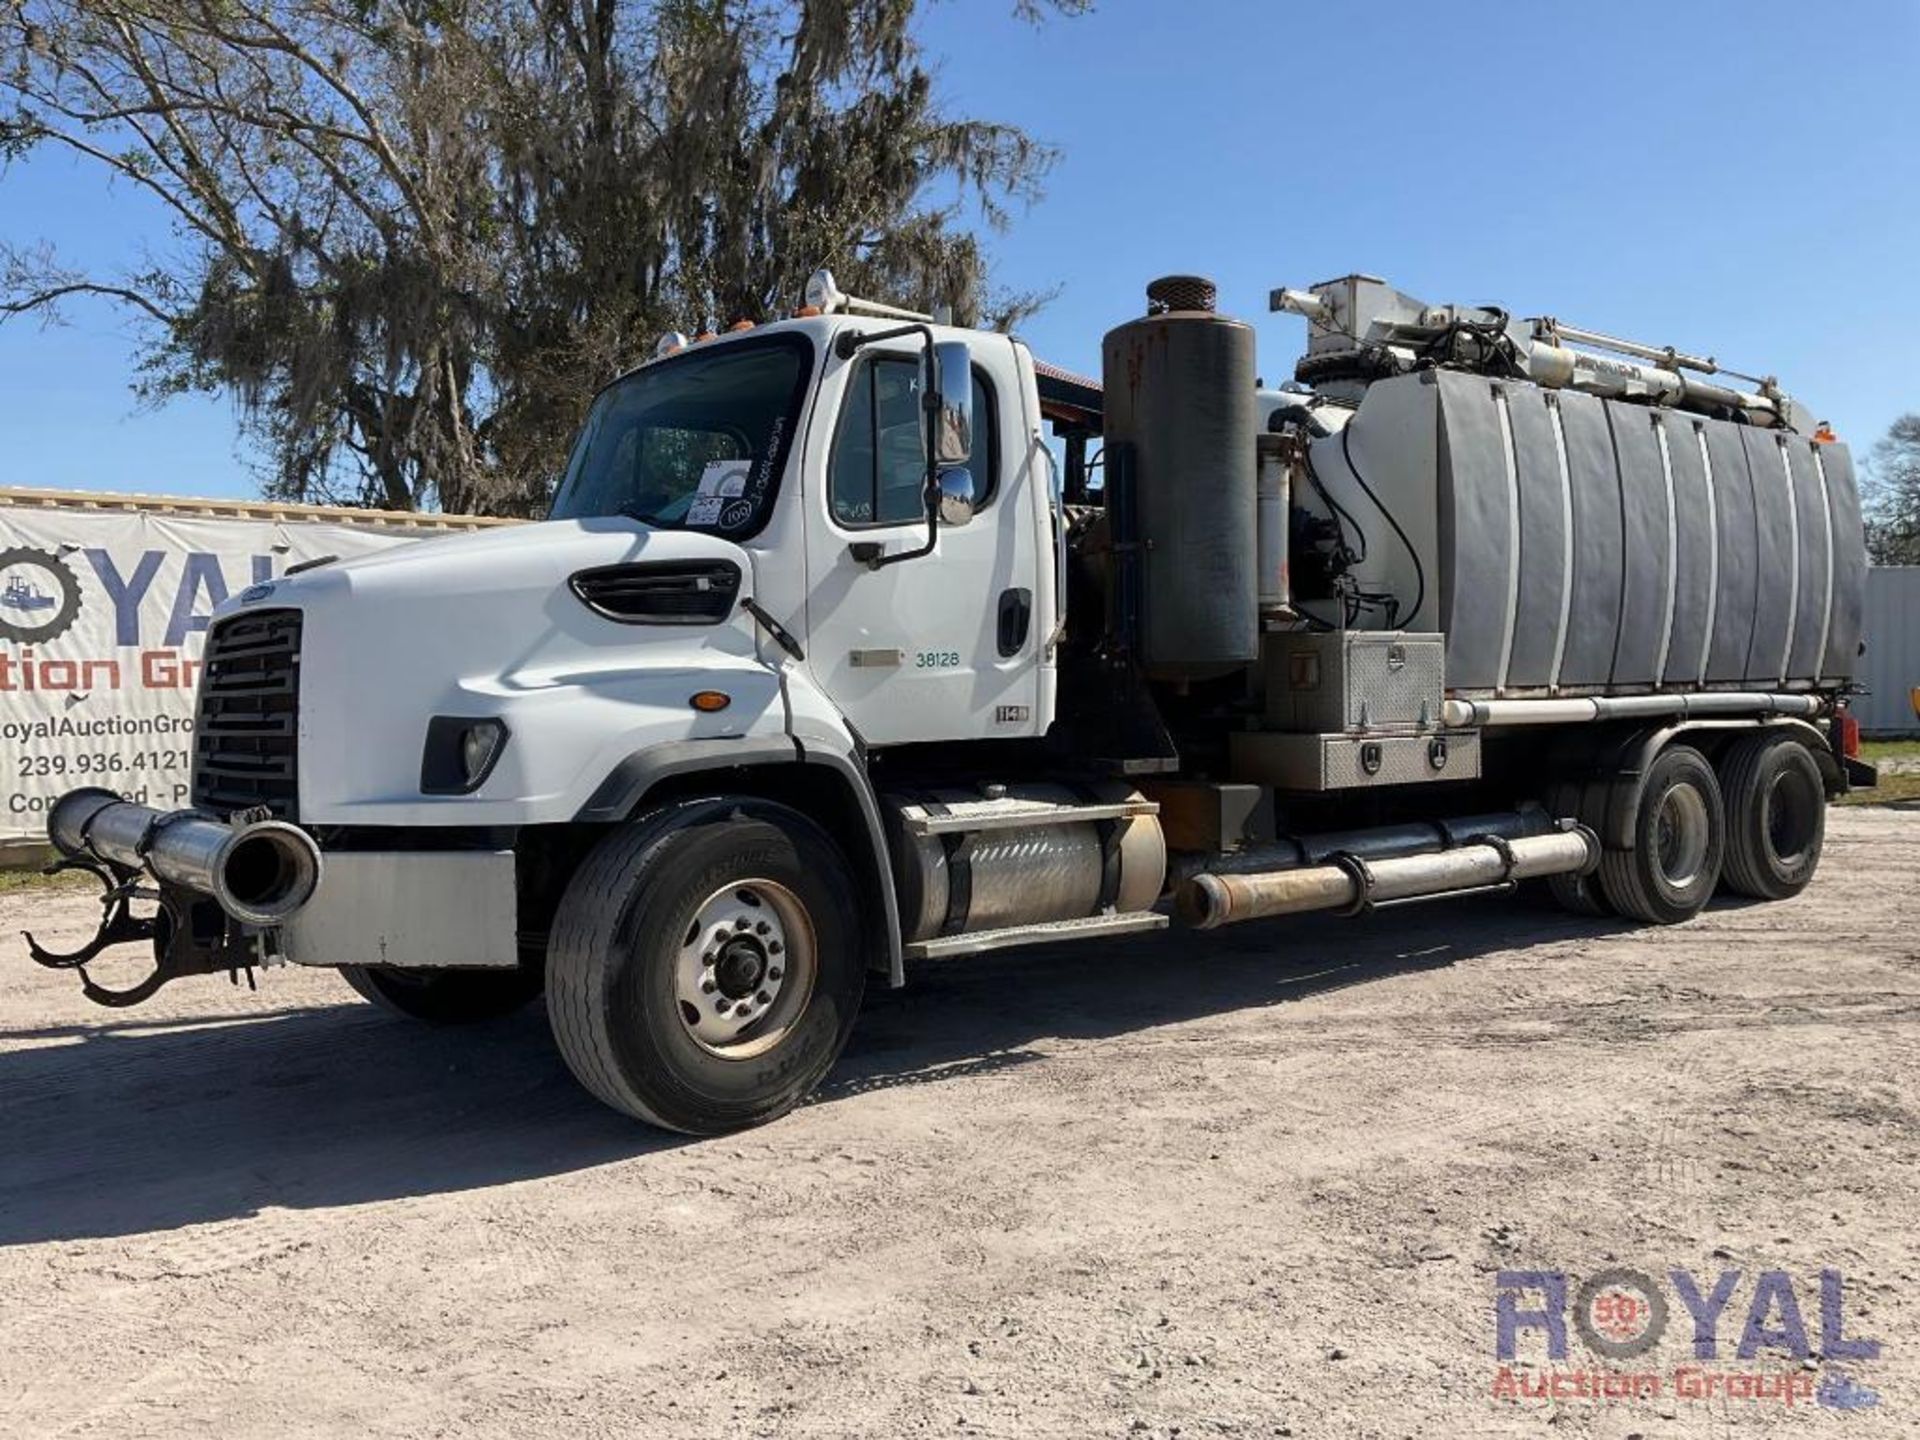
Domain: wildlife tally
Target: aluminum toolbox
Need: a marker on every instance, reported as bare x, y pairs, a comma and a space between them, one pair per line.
1349, 762
1372, 680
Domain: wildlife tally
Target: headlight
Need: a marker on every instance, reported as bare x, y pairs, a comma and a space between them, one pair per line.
478, 746
460, 754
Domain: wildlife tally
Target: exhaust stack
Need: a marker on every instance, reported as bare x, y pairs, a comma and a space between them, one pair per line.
260, 874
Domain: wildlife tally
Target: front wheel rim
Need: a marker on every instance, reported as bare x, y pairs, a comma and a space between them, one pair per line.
745, 969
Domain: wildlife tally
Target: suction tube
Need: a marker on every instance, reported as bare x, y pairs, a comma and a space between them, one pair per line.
260, 874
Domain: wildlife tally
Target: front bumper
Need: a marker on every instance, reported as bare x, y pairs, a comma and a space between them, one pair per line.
417, 909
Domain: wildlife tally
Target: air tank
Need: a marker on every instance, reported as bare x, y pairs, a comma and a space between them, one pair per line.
1181, 405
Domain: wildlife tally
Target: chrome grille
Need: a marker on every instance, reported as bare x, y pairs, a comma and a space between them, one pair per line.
246, 738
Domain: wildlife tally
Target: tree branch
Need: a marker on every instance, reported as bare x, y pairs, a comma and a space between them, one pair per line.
278, 40
40, 300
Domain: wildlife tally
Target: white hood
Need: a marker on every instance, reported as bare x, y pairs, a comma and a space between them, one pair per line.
485, 624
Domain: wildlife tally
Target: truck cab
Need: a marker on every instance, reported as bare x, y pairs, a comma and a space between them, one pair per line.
799, 450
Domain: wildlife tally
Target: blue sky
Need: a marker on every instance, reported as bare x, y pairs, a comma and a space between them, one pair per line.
1738, 180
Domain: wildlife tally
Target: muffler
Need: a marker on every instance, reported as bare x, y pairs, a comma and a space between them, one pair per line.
1352, 884
260, 874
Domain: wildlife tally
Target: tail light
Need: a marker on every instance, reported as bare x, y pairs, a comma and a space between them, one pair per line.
1849, 733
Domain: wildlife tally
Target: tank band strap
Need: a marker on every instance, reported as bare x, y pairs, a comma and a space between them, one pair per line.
959, 848
1361, 874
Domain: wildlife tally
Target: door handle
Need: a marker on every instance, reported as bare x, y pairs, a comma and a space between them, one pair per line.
1016, 616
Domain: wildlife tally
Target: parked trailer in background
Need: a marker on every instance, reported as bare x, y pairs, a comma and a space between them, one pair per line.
104, 606
1890, 667
821, 668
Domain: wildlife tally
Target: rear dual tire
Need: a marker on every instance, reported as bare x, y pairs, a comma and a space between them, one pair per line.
1755, 824
1576, 892
1776, 816
1679, 842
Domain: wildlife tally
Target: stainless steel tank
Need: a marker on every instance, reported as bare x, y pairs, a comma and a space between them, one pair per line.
1180, 397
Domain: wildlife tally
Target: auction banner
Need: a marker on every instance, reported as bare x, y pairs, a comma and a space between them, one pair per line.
103, 615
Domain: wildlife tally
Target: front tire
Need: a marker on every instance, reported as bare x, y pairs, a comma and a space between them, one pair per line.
1679, 839
443, 997
706, 965
1776, 816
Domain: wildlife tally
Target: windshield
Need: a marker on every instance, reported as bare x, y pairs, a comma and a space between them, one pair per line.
695, 442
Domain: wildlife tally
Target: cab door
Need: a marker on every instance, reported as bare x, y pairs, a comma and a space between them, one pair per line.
946, 646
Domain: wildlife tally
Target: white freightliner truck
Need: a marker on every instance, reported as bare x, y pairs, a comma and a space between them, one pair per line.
822, 665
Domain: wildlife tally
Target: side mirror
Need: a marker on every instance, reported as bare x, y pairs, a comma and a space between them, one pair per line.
952, 410
956, 496
946, 399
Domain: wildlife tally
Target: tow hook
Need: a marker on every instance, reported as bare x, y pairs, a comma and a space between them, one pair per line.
119, 925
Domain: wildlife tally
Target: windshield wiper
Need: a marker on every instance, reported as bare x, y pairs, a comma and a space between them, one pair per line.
781, 636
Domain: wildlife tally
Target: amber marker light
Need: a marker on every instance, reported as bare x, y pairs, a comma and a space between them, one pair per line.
709, 701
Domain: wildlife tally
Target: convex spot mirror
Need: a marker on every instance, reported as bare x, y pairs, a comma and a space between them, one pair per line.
956, 496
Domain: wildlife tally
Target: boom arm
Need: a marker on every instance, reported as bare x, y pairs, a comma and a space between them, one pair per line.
1361, 329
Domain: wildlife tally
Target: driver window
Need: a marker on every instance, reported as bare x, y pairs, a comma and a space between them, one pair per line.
879, 472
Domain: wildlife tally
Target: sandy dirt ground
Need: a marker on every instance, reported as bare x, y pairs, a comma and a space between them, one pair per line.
1256, 1184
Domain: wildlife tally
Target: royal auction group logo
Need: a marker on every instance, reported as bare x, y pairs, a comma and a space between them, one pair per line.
1622, 1315
39, 595
143, 612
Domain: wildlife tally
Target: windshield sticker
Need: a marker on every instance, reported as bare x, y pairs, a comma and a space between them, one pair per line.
762, 480
737, 515
705, 510
725, 477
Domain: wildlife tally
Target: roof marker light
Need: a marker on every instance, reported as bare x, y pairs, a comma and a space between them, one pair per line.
668, 344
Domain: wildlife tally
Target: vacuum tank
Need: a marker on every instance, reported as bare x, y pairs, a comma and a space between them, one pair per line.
1576, 524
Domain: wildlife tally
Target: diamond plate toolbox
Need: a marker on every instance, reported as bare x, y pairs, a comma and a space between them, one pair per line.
1349, 762
1323, 681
